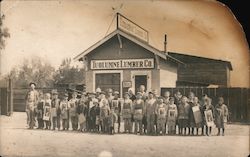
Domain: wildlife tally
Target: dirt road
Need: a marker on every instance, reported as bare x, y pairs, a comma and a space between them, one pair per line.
16, 140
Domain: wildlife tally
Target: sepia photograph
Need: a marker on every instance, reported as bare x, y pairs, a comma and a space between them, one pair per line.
124, 78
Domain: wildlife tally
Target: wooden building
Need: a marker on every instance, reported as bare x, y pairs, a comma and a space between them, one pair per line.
125, 59
200, 71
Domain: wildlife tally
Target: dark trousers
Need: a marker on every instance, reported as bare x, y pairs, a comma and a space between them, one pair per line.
138, 125
74, 122
47, 124
31, 119
150, 124
65, 123
40, 123
56, 122
127, 125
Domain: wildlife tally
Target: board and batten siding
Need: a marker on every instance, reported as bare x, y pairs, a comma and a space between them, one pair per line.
168, 75
204, 73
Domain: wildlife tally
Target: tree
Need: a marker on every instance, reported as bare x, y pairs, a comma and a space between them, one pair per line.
4, 33
35, 70
68, 73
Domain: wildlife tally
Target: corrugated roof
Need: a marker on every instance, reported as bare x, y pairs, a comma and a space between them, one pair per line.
190, 59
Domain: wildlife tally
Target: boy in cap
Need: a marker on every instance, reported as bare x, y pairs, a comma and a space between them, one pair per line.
116, 105
138, 111
127, 112
172, 116
221, 115
110, 96
82, 111
55, 110
64, 112
150, 106
92, 112
104, 113
161, 112
111, 121
72, 111
40, 107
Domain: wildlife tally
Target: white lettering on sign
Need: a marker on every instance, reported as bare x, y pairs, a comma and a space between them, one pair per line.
123, 64
132, 28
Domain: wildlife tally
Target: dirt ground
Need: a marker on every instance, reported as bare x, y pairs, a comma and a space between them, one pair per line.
16, 140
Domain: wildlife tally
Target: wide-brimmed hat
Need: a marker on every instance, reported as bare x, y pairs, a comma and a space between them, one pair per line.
98, 90
32, 83
54, 92
116, 92
66, 95
109, 90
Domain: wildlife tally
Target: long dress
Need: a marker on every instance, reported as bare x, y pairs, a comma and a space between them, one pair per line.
221, 114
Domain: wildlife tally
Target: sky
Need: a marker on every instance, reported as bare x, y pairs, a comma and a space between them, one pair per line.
56, 29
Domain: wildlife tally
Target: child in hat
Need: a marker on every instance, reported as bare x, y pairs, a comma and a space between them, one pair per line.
116, 105
55, 110
64, 104
40, 107
72, 111
150, 108
138, 111
221, 115
127, 113
112, 118
82, 111
104, 113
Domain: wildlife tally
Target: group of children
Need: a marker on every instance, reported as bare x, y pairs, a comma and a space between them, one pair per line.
143, 113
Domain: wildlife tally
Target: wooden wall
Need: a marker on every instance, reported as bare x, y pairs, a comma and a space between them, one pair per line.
204, 73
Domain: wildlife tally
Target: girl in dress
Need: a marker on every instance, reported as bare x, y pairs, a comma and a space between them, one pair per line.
47, 108
221, 115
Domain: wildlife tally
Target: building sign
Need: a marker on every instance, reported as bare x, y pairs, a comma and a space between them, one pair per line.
126, 84
123, 64
130, 27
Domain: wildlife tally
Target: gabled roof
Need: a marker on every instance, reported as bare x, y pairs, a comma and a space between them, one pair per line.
131, 38
190, 59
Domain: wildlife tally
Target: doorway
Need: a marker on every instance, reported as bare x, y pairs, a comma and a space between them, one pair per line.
140, 80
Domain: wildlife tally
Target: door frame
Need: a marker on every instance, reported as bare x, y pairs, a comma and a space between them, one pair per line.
143, 72
110, 72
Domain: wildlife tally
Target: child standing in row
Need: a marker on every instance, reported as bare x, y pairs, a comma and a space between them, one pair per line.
172, 117
161, 113
127, 113
64, 112
40, 107
47, 111
138, 111
221, 115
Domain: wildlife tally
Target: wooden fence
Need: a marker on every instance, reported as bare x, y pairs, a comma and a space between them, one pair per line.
20, 93
237, 99
6, 98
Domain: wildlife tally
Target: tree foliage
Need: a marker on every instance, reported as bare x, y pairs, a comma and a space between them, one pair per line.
68, 73
4, 33
35, 70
